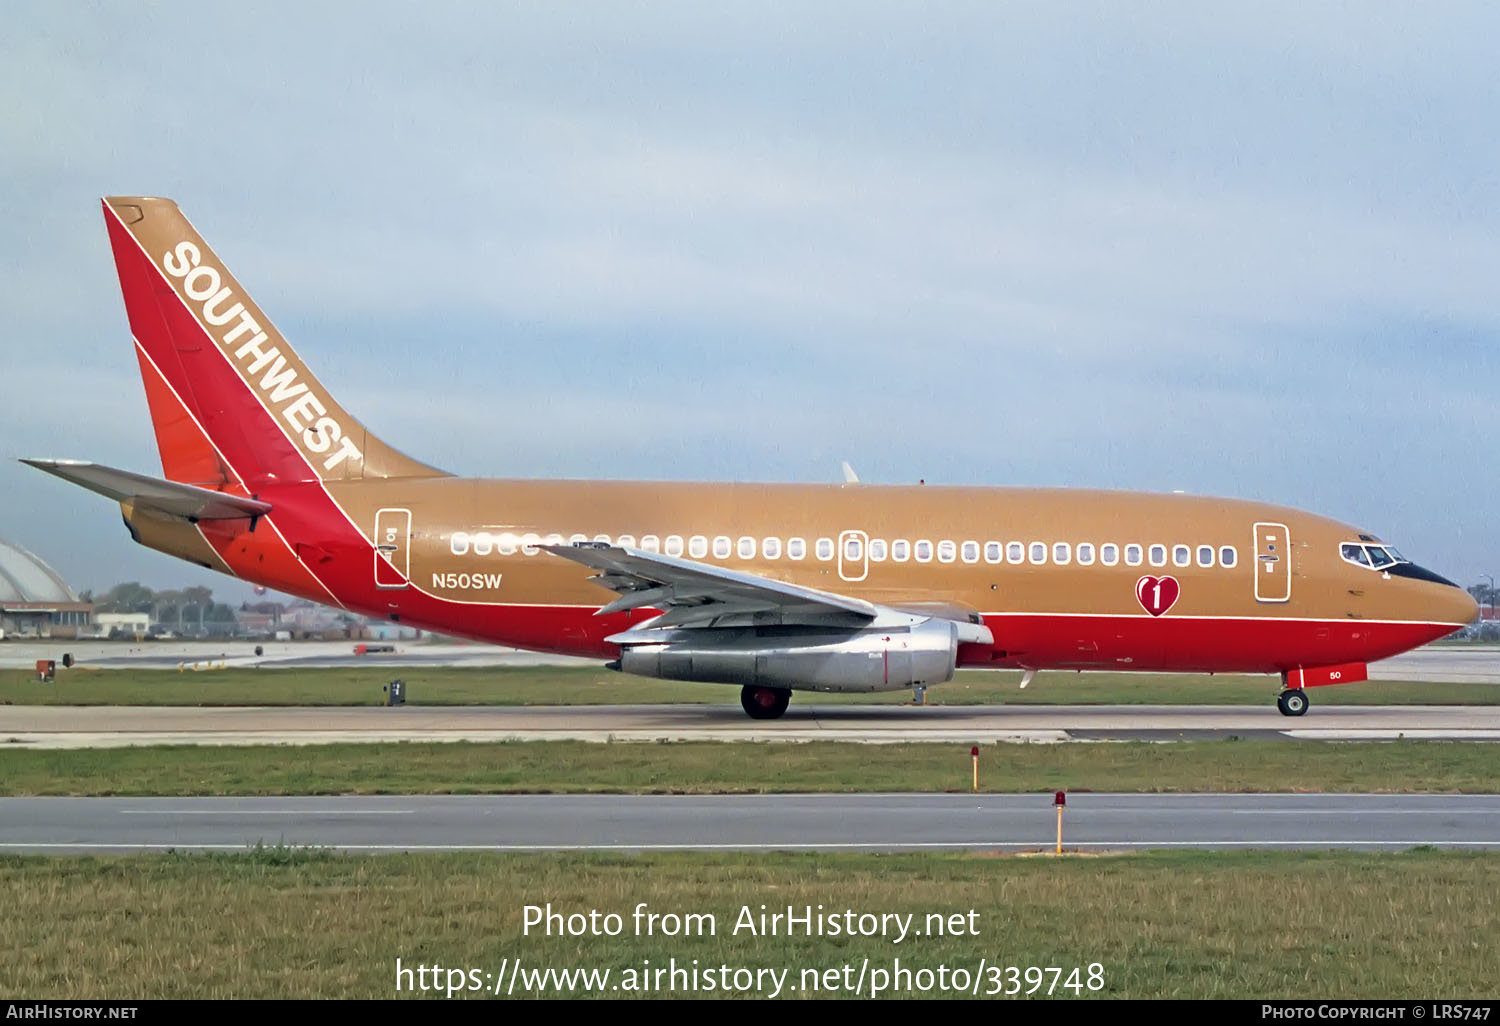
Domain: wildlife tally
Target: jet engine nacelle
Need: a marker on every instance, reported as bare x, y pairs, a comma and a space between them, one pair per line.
807, 659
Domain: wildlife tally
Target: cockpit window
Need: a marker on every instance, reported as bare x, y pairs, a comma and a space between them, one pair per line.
1374, 557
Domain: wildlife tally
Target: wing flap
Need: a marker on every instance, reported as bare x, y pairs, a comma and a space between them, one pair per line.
693, 593
697, 595
170, 497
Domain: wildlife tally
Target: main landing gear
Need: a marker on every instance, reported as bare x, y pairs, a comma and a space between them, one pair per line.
764, 703
1292, 702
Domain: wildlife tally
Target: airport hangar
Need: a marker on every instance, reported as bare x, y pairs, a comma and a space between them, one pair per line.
34, 599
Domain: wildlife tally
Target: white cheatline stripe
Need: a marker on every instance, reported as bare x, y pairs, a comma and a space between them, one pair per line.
239, 478
232, 469
1205, 616
301, 562
224, 460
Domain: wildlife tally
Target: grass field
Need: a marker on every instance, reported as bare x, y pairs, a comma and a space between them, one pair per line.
588, 686
287, 924
718, 768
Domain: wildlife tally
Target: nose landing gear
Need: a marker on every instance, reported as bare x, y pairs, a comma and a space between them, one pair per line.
1292, 702
764, 703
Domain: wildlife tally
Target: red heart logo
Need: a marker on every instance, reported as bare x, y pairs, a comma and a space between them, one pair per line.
1157, 594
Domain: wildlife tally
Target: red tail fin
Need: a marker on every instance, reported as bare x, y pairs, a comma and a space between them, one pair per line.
229, 398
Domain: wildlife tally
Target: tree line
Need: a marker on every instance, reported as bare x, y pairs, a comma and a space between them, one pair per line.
171, 605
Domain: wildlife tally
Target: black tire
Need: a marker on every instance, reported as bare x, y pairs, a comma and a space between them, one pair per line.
1292, 702
764, 703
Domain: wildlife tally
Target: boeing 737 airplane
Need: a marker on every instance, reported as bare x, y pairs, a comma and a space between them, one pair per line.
776, 588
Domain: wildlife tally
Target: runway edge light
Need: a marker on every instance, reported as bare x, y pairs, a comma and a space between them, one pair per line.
1060, 799
974, 754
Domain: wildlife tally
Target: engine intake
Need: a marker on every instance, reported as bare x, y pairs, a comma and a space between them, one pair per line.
812, 659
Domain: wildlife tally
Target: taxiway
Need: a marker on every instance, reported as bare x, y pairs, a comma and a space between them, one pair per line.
833, 822
114, 726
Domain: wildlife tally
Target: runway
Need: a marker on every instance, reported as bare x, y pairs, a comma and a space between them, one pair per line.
854, 822
115, 726
1471, 664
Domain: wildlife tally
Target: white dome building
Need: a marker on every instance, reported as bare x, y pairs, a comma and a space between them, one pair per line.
34, 600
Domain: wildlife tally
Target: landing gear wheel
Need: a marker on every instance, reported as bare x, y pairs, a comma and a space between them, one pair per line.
764, 703
1292, 702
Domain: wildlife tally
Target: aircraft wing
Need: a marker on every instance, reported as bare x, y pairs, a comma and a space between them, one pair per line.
693, 594
170, 497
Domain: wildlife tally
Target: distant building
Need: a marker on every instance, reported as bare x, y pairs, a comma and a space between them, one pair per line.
308, 620
384, 630
34, 601
254, 624
128, 624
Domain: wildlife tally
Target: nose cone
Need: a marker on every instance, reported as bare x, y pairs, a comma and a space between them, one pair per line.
1442, 600
1454, 605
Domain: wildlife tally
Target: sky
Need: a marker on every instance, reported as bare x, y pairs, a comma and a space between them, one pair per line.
1246, 252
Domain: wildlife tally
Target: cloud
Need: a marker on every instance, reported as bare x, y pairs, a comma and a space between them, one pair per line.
1245, 252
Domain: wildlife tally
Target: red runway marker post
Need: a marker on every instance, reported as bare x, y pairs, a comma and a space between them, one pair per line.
1059, 800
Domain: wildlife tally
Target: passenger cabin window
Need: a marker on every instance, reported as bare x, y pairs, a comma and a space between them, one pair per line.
1158, 555
771, 548
1039, 552
924, 551
747, 548
650, 543
796, 548
1061, 554
947, 552
674, 544
970, 552
626, 541
529, 543
575, 539
506, 544
1015, 552
557, 539
1205, 555
602, 539
994, 552
1181, 555
721, 546
1109, 554
825, 548
1228, 557
854, 549
1085, 554
900, 550
1132, 555
697, 546
877, 550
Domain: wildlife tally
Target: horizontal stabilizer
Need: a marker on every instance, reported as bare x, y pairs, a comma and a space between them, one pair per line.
169, 497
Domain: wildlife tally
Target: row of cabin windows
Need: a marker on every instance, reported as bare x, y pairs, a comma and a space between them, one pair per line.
879, 550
